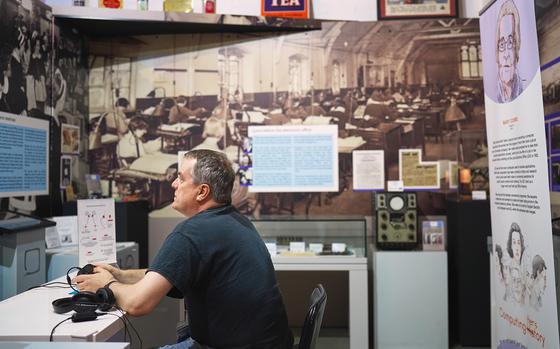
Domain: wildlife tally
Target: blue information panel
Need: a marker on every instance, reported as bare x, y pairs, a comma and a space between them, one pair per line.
24, 156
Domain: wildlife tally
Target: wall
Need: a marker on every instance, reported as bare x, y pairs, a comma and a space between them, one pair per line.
42, 77
420, 59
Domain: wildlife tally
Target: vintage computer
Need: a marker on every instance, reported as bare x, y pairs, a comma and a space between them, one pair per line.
396, 215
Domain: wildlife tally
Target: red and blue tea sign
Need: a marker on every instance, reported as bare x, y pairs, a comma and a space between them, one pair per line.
285, 8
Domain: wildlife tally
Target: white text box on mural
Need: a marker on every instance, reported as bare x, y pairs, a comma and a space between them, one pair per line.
24, 155
525, 313
294, 158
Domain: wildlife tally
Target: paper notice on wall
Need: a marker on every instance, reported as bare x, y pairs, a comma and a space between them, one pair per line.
368, 170
96, 229
293, 158
415, 173
524, 311
67, 230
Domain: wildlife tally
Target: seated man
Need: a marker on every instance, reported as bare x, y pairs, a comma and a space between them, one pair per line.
132, 144
215, 259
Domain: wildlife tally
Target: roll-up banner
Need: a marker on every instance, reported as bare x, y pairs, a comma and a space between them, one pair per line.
525, 313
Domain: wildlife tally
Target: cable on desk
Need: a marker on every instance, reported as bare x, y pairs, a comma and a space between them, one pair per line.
54, 328
125, 326
54, 284
131, 325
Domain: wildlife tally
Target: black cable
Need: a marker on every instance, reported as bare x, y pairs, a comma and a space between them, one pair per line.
125, 327
54, 328
68, 278
49, 285
131, 325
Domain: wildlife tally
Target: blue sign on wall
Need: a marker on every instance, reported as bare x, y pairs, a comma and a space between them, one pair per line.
285, 8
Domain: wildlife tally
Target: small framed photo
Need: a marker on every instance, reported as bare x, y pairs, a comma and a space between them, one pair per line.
70, 139
434, 232
399, 9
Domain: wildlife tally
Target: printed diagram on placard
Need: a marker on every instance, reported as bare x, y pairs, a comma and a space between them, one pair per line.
98, 226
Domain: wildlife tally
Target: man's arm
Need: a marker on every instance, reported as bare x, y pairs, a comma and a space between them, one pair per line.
136, 299
128, 276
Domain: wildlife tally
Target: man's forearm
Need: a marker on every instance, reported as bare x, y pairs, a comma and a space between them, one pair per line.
130, 276
142, 297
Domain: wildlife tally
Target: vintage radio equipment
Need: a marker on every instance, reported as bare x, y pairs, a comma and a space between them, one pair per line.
396, 221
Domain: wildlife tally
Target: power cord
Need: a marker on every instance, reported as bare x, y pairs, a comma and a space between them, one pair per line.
79, 317
126, 331
50, 285
131, 325
54, 328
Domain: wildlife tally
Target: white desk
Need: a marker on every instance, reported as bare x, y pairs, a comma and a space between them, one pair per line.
357, 288
29, 316
59, 345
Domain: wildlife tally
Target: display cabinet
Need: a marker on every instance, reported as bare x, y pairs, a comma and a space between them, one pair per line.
316, 245
309, 237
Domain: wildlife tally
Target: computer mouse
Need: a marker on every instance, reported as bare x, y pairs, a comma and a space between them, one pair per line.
86, 269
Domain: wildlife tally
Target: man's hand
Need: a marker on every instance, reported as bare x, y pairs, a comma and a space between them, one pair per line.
95, 281
116, 272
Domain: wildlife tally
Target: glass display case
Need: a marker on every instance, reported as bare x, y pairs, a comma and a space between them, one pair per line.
305, 236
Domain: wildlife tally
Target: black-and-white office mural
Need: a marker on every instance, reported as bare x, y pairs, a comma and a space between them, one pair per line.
25, 56
397, 84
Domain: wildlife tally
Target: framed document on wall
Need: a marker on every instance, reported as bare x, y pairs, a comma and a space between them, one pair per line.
398, 9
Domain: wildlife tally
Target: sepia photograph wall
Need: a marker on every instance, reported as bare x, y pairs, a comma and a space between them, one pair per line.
386, 85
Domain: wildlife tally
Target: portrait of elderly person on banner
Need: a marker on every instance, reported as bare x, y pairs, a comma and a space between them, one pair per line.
508, 44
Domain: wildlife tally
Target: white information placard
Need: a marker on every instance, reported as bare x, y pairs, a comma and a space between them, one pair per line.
368, 169
294, 158
96, 229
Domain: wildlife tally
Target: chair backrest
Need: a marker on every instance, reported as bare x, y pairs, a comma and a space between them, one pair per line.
314, 318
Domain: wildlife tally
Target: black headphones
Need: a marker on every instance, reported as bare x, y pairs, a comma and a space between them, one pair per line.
85, 302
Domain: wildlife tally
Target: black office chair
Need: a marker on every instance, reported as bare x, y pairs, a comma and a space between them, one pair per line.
313, 320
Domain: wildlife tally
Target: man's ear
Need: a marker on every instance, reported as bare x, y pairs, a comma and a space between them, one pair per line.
203, 192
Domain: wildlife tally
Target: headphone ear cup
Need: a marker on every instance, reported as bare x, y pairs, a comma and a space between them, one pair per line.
63, 305
85, 302
106, 298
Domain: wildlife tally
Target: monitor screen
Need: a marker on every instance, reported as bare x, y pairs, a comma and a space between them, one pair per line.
24, 155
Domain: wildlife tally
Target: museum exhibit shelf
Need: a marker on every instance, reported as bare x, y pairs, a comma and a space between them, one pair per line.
100, 22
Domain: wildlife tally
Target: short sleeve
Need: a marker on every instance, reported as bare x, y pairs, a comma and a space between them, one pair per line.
178, 261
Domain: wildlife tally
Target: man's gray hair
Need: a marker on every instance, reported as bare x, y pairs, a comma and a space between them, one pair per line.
213, 168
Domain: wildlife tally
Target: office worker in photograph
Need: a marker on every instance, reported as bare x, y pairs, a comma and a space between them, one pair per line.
508, 43
215, 259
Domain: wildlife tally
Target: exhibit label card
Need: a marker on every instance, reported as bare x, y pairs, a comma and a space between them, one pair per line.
294, 158
525, 313
96, 229
67, 230
368, 170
